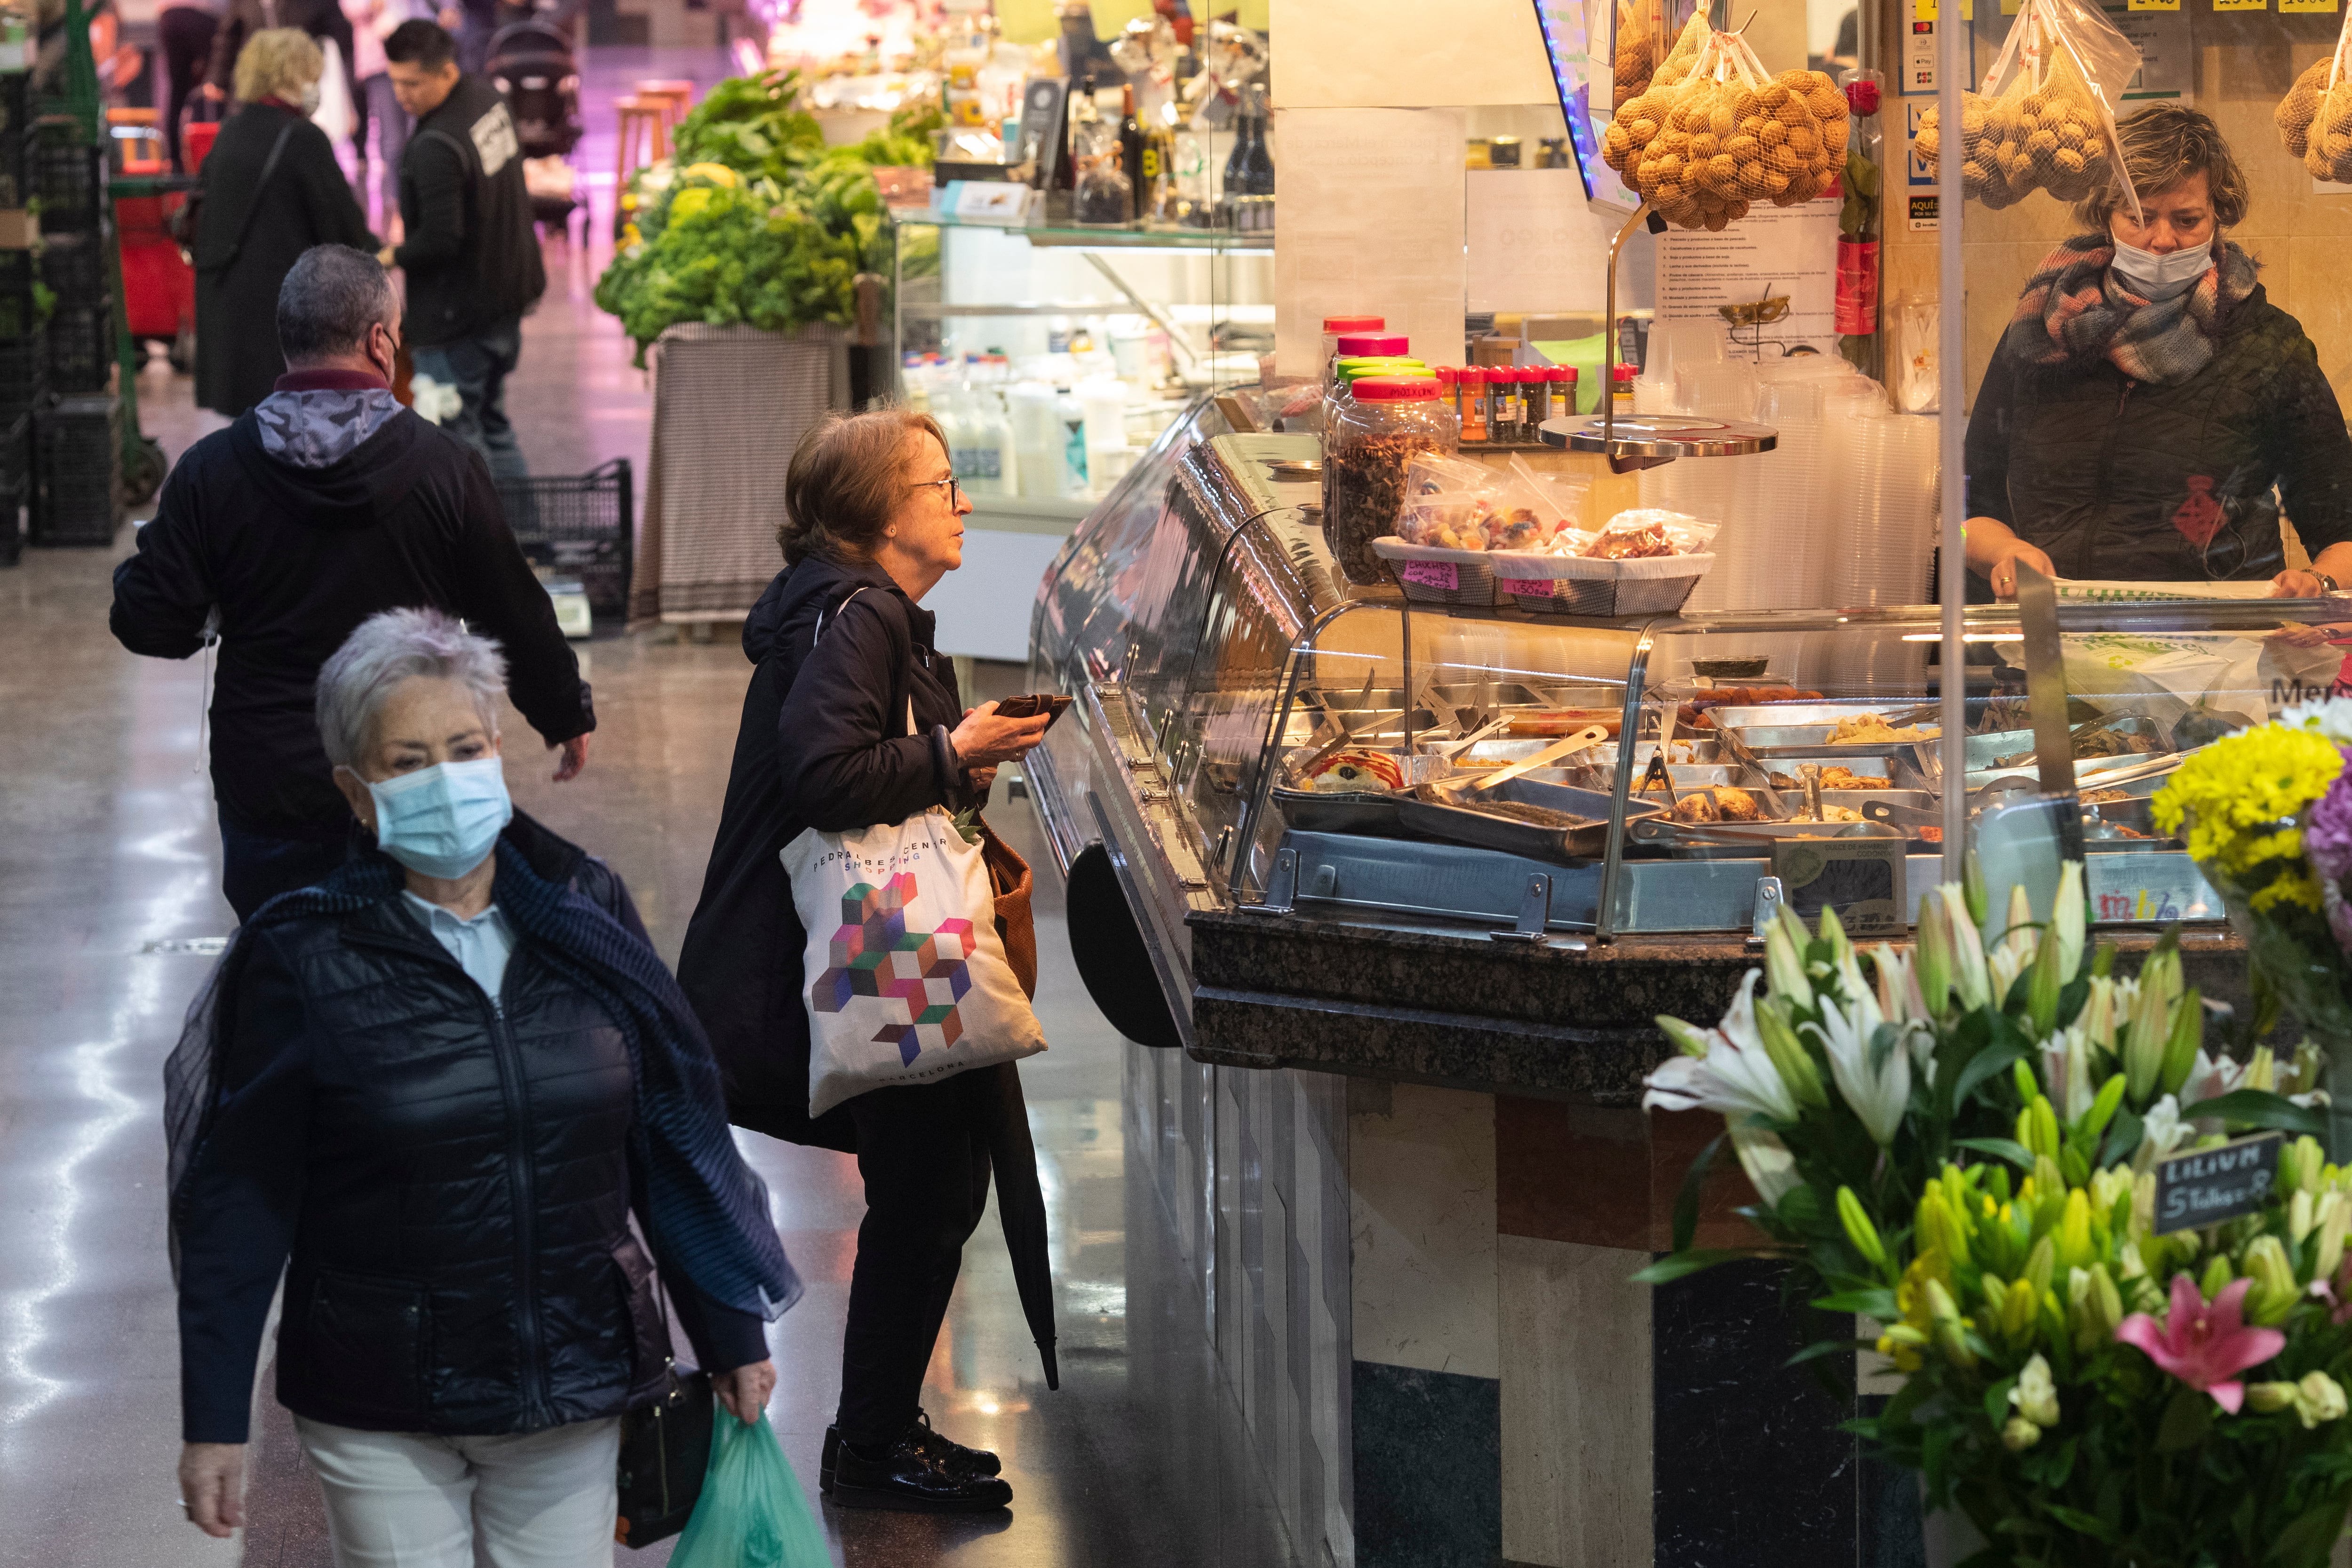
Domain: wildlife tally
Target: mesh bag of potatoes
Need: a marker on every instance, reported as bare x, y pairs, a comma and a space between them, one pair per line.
2042, 121
1634, 47
1720, 133
2315, 118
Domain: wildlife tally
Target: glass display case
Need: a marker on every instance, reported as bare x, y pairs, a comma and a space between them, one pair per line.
1256, 735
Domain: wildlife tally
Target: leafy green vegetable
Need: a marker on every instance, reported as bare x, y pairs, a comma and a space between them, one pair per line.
776, 244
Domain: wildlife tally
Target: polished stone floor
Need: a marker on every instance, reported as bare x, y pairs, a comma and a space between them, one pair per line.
107, 896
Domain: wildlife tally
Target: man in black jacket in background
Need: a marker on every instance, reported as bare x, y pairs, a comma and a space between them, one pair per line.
471, 254
323, 504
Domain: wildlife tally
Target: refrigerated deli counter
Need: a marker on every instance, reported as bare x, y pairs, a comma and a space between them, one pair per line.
1269, 766
1393, 1008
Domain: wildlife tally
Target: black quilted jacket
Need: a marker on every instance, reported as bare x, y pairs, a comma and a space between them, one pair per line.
446, 1184
2116, 479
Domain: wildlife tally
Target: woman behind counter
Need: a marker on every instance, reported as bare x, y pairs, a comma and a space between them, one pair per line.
2150, 410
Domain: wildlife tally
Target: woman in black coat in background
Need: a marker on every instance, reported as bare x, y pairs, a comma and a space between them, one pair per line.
853, 719
272, 190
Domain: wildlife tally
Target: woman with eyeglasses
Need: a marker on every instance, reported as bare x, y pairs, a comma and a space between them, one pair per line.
853, 719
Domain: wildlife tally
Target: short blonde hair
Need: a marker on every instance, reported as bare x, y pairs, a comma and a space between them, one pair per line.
2164, 144
278, 62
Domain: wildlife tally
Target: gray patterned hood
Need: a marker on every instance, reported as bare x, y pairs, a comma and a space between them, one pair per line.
315, 430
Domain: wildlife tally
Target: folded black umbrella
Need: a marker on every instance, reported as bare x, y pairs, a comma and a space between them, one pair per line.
1021, 1207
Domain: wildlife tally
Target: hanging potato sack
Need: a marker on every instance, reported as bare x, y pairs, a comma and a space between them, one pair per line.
1716, 133
2045, 120
2315, 118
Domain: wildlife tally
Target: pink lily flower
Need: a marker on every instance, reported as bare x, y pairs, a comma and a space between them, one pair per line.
2204, 1343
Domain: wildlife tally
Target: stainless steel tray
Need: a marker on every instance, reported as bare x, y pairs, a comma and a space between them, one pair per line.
1310, 811
1711, 842
1587, 839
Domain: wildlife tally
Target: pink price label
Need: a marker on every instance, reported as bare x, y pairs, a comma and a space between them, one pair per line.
1432, 575
1527, 587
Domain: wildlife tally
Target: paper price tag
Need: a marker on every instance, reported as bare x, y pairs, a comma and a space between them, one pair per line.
2156, 4
1431, 574
1528, 587
2242, 5
2316, 8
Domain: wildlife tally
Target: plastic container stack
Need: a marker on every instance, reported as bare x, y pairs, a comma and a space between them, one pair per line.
1884, 509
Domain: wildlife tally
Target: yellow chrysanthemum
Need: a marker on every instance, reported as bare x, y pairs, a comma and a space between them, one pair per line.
2240, 797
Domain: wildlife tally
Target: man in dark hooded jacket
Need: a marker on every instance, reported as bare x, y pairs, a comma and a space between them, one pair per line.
323, 504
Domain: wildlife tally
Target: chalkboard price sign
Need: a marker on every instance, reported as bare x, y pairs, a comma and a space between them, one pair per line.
1862, 879
2208, 1185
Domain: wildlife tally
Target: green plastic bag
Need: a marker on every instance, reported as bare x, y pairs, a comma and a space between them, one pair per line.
752, 1513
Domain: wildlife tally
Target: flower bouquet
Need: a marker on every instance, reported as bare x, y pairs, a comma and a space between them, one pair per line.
1960, 1146
2267, 816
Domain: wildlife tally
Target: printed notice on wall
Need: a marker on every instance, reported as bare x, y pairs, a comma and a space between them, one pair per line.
1769, 280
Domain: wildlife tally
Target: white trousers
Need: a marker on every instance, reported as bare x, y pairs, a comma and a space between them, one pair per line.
408, 1500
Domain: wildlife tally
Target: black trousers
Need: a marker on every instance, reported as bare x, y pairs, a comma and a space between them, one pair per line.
923, 1151
185, 36
256, 868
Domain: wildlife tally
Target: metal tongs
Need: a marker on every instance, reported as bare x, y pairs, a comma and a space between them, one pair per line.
1728, 739
1527, 764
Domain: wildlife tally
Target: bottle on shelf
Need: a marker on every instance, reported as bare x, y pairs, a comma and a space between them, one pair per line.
1130, 154
1621, 390
1248, 204
1104, 195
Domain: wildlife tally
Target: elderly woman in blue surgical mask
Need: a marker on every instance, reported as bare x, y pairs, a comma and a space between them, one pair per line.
2149, 413
432, 1090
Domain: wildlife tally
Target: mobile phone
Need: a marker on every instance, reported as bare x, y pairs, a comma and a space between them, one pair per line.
1029, 706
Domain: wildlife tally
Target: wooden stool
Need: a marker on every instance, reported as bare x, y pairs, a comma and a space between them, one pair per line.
676, 97
642, 123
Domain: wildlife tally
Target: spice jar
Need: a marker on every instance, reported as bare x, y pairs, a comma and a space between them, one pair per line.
1621, 390
1363, 345
1563, 390
1470, 402
1502, 404
1372, 435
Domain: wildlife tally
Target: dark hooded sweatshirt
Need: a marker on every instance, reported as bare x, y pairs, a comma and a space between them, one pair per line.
294, 555
824, 743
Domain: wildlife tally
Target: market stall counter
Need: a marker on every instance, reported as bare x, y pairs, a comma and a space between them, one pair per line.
1389, 879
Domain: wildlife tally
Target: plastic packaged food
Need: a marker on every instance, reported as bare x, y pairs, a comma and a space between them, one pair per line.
2315, 118
1371, 438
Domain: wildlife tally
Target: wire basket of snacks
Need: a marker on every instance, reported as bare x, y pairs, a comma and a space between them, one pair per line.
1642, 562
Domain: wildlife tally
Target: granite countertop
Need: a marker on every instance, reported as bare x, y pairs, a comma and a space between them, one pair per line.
1447, 1004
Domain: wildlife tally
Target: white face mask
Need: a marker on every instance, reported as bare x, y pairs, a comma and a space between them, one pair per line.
2163, 274
310, 98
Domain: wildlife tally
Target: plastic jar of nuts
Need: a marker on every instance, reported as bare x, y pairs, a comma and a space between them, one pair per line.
1372, 435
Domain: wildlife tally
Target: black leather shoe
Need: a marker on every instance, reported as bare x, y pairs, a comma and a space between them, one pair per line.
951, 1454
907, 1478
944, 1450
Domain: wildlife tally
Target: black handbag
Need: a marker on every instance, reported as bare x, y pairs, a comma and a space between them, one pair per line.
665, 1451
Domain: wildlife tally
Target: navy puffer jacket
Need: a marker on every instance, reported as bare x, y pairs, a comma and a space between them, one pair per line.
447, 1183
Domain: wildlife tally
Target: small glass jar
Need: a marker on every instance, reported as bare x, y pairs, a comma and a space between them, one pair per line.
1470, 402
1502, 405
1372, 435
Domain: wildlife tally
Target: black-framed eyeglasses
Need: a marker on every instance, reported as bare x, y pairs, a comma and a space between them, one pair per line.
955, 494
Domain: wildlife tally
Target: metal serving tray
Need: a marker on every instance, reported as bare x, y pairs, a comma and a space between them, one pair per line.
1712, 841
1586, 839
1311, 811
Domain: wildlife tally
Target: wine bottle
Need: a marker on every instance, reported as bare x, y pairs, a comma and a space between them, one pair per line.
1130, 151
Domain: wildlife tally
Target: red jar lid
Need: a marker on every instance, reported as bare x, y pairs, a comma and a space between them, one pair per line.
1566, 373
1355, 323
1445, 375
1473, 375
1393, 389
1375, 343
1624, 372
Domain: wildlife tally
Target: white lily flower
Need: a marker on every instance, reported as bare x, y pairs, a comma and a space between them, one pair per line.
1899, 1000
2066, 1072
2068, 915
2162, 1131
1970, 977
2035, 1393
1736, 1076
1880, 1097
1771, 1169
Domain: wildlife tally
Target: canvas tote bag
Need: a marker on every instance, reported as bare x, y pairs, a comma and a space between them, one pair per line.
906, 980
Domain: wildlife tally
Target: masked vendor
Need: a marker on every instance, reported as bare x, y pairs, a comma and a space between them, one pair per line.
2149, 412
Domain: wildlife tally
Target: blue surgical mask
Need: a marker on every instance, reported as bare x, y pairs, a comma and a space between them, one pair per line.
2162, 275
444, 820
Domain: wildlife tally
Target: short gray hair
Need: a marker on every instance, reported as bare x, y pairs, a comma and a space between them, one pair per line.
393, 647
332, 296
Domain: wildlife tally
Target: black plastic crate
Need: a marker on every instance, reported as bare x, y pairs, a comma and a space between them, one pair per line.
24, 376
75, 268
20, 315
76, 500
15, 139
71, 180
13, 488
16, 450
581, 526
81, 348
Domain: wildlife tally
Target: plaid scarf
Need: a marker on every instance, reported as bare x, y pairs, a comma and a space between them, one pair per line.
2076, 307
